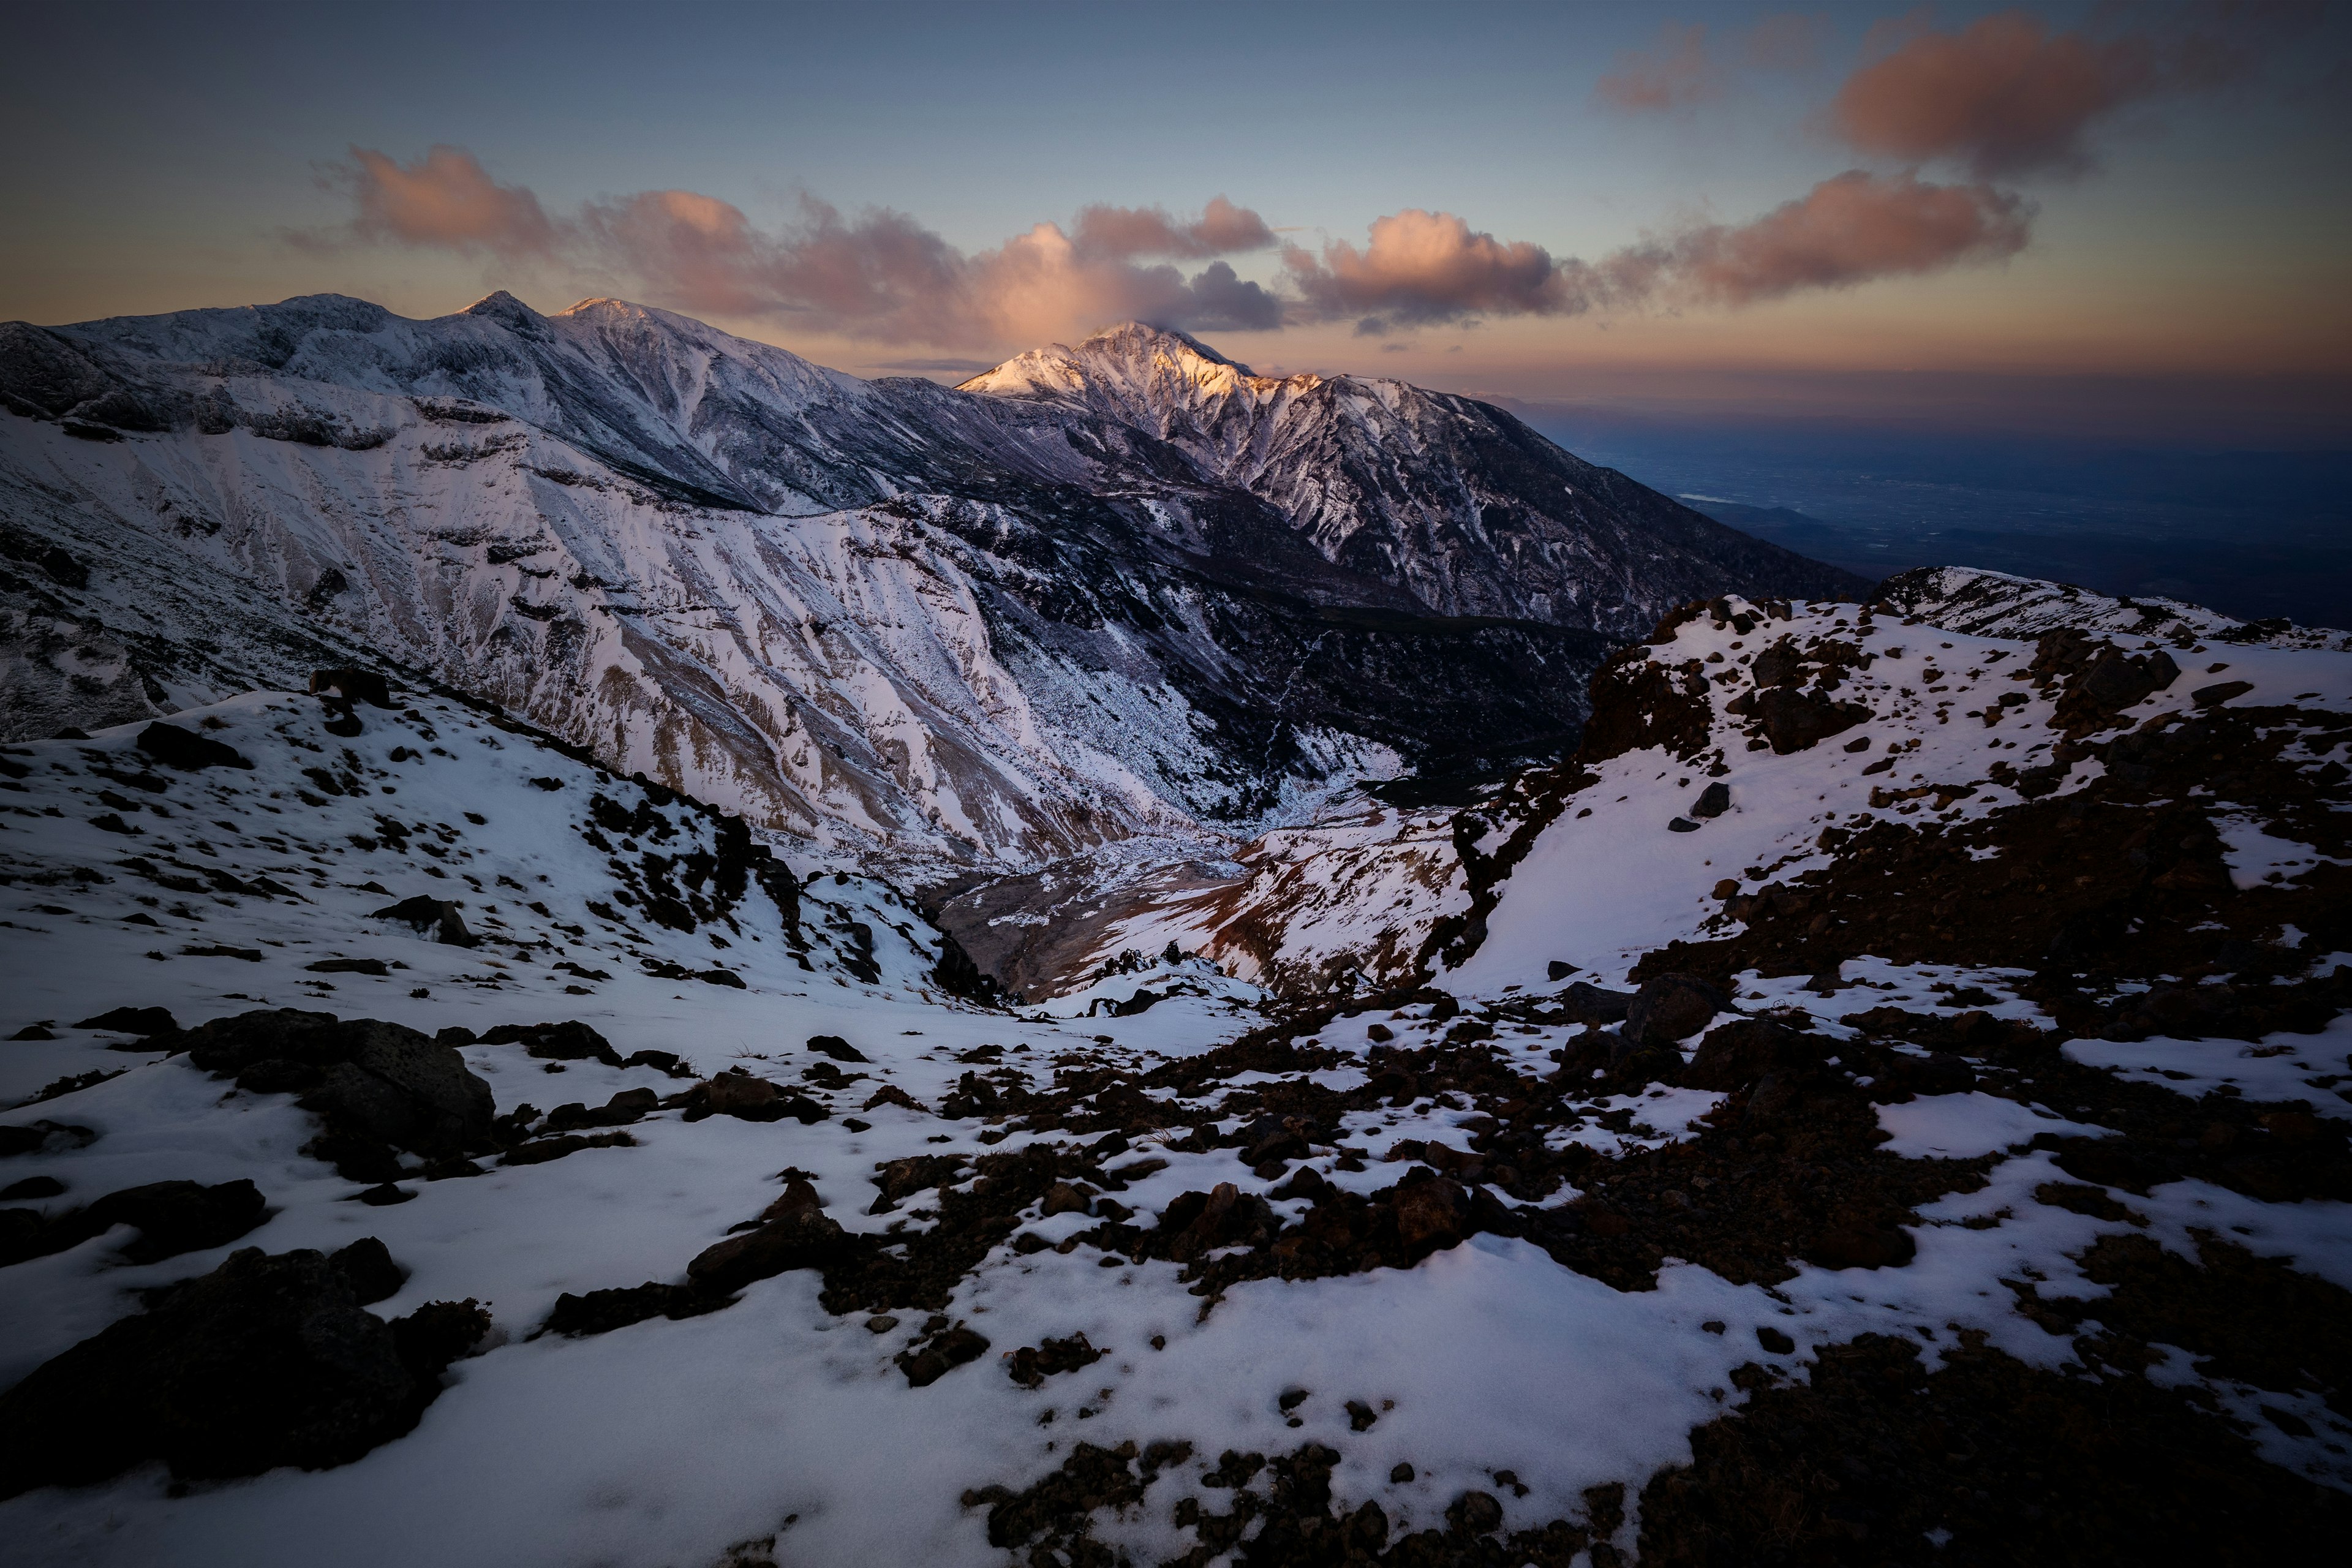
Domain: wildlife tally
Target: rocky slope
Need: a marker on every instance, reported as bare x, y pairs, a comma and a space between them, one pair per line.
1378, 895
1865, 1107
901, 623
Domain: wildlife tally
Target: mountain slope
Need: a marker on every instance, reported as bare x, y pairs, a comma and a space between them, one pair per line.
1453, 499
909, 624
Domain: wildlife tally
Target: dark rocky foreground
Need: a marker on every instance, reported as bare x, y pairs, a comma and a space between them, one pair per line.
2156, 1368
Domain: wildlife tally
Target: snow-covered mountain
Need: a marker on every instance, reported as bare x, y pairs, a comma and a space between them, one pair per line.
1452, 499
902, 622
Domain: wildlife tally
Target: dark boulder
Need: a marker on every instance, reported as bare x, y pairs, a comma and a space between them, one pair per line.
1197, 1222
2220, 692
139, 1021
1432, 1214
2100, 680
945, 1353
171, 1217
1790, 720
265, 1361
836, 1047
367, 1268
1738, 1054
1671, 1007
602, 1311
187, 750
366, 686
570, 1041
957, 973
1589, 1004
43, 1137
436, 916
794, 1232
377, 1085
1862, 1247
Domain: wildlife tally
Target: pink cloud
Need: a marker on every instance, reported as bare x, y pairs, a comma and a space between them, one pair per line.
445, 198
1431, 267
879, 275
2006, 96
882, 276
1122, 232
1849, 229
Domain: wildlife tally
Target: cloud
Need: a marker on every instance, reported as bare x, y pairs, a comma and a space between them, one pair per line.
963, 366
1679, 71
879, 275
1124, 233
445, 198
1847, 230
1676, 75
1427, 268
2006, 97
1430, 266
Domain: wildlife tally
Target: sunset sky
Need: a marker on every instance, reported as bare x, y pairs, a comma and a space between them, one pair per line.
2109, 216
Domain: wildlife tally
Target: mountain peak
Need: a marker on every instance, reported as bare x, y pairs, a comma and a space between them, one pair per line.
1129, 337
1125, 370
502, 308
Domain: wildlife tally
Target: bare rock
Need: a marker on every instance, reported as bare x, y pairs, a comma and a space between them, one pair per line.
374, 1083
266, 1361
187, 750
1671, 1007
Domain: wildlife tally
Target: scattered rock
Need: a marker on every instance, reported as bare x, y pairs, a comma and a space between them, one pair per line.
1031, 1365
942, 1354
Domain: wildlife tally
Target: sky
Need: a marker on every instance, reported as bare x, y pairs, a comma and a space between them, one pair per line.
2117, 220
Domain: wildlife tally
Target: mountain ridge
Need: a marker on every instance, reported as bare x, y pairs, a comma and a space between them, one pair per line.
890, 618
